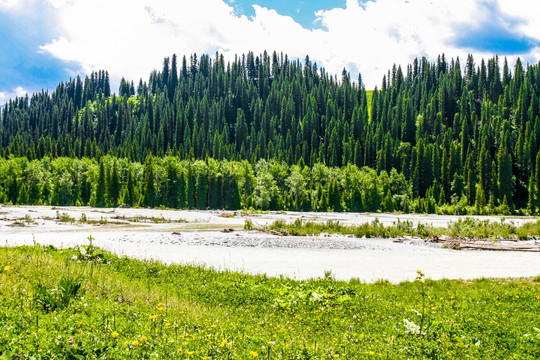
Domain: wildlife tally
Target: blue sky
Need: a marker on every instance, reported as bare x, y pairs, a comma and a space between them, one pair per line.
303, 12
21, 63
48, 41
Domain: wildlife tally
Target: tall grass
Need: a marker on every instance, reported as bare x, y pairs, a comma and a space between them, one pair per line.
465, 228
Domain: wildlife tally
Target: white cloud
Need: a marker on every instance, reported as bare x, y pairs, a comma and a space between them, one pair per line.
9, 4
6, 95
379, 34
132, 38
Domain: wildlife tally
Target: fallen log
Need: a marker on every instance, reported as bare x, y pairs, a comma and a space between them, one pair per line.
530, 248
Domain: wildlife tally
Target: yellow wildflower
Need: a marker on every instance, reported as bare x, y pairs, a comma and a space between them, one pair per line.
254, 354
161, 308
135, 343
190, 352
143, 338
114, 334
153, 317
223, 343
7, 268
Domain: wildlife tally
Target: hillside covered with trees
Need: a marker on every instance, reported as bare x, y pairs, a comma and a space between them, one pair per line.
271, 133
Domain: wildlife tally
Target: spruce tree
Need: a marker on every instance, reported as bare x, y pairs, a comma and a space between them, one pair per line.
505, 174
131, 195
201, 191
537, 182
114, 185
23, 195
334, 197
172, 187
100, 188
531, 203
182, 188
190, 193
388, 202
480, 200
149, 191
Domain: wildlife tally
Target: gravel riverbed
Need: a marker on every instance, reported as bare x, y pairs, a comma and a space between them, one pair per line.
196, 237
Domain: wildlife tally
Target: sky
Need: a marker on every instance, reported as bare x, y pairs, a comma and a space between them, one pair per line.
44, 42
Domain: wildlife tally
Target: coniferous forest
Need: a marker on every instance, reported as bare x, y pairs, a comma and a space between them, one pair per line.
266, 132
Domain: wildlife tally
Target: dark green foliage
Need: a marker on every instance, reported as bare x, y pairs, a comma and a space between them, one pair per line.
445, 128
505, 174
181, 194
334, 198
149, 188
100, 188
114, 185
131, 197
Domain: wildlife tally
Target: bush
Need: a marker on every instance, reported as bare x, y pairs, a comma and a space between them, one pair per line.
59, 298
248, 224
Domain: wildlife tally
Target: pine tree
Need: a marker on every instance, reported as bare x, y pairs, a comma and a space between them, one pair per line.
334, 197
172, 186
531, 203
190, 188
114, 185
505, 174
100, 188
23, 195
149, 186
182, 199
131, 196
480, 200
537, 181
388, 202
201, 191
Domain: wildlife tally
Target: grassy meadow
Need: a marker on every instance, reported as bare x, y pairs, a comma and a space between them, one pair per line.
84, 303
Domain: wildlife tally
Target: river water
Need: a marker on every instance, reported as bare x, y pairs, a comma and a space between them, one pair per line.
257, 253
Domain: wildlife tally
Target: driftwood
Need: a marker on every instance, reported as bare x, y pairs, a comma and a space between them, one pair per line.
530, 248
274, 232
484, 244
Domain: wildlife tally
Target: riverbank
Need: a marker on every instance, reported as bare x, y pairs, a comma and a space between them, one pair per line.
197, 237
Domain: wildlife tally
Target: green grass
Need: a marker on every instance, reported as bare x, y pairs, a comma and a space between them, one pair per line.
126, 309
467, 228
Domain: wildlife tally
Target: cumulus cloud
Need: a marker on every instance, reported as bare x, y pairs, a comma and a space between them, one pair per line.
6, 95
396, 31
131, 38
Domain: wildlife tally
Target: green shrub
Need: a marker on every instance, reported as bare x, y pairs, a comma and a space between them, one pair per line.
58, 298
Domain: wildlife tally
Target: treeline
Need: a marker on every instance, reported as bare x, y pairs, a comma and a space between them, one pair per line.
201, 184
462, 137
